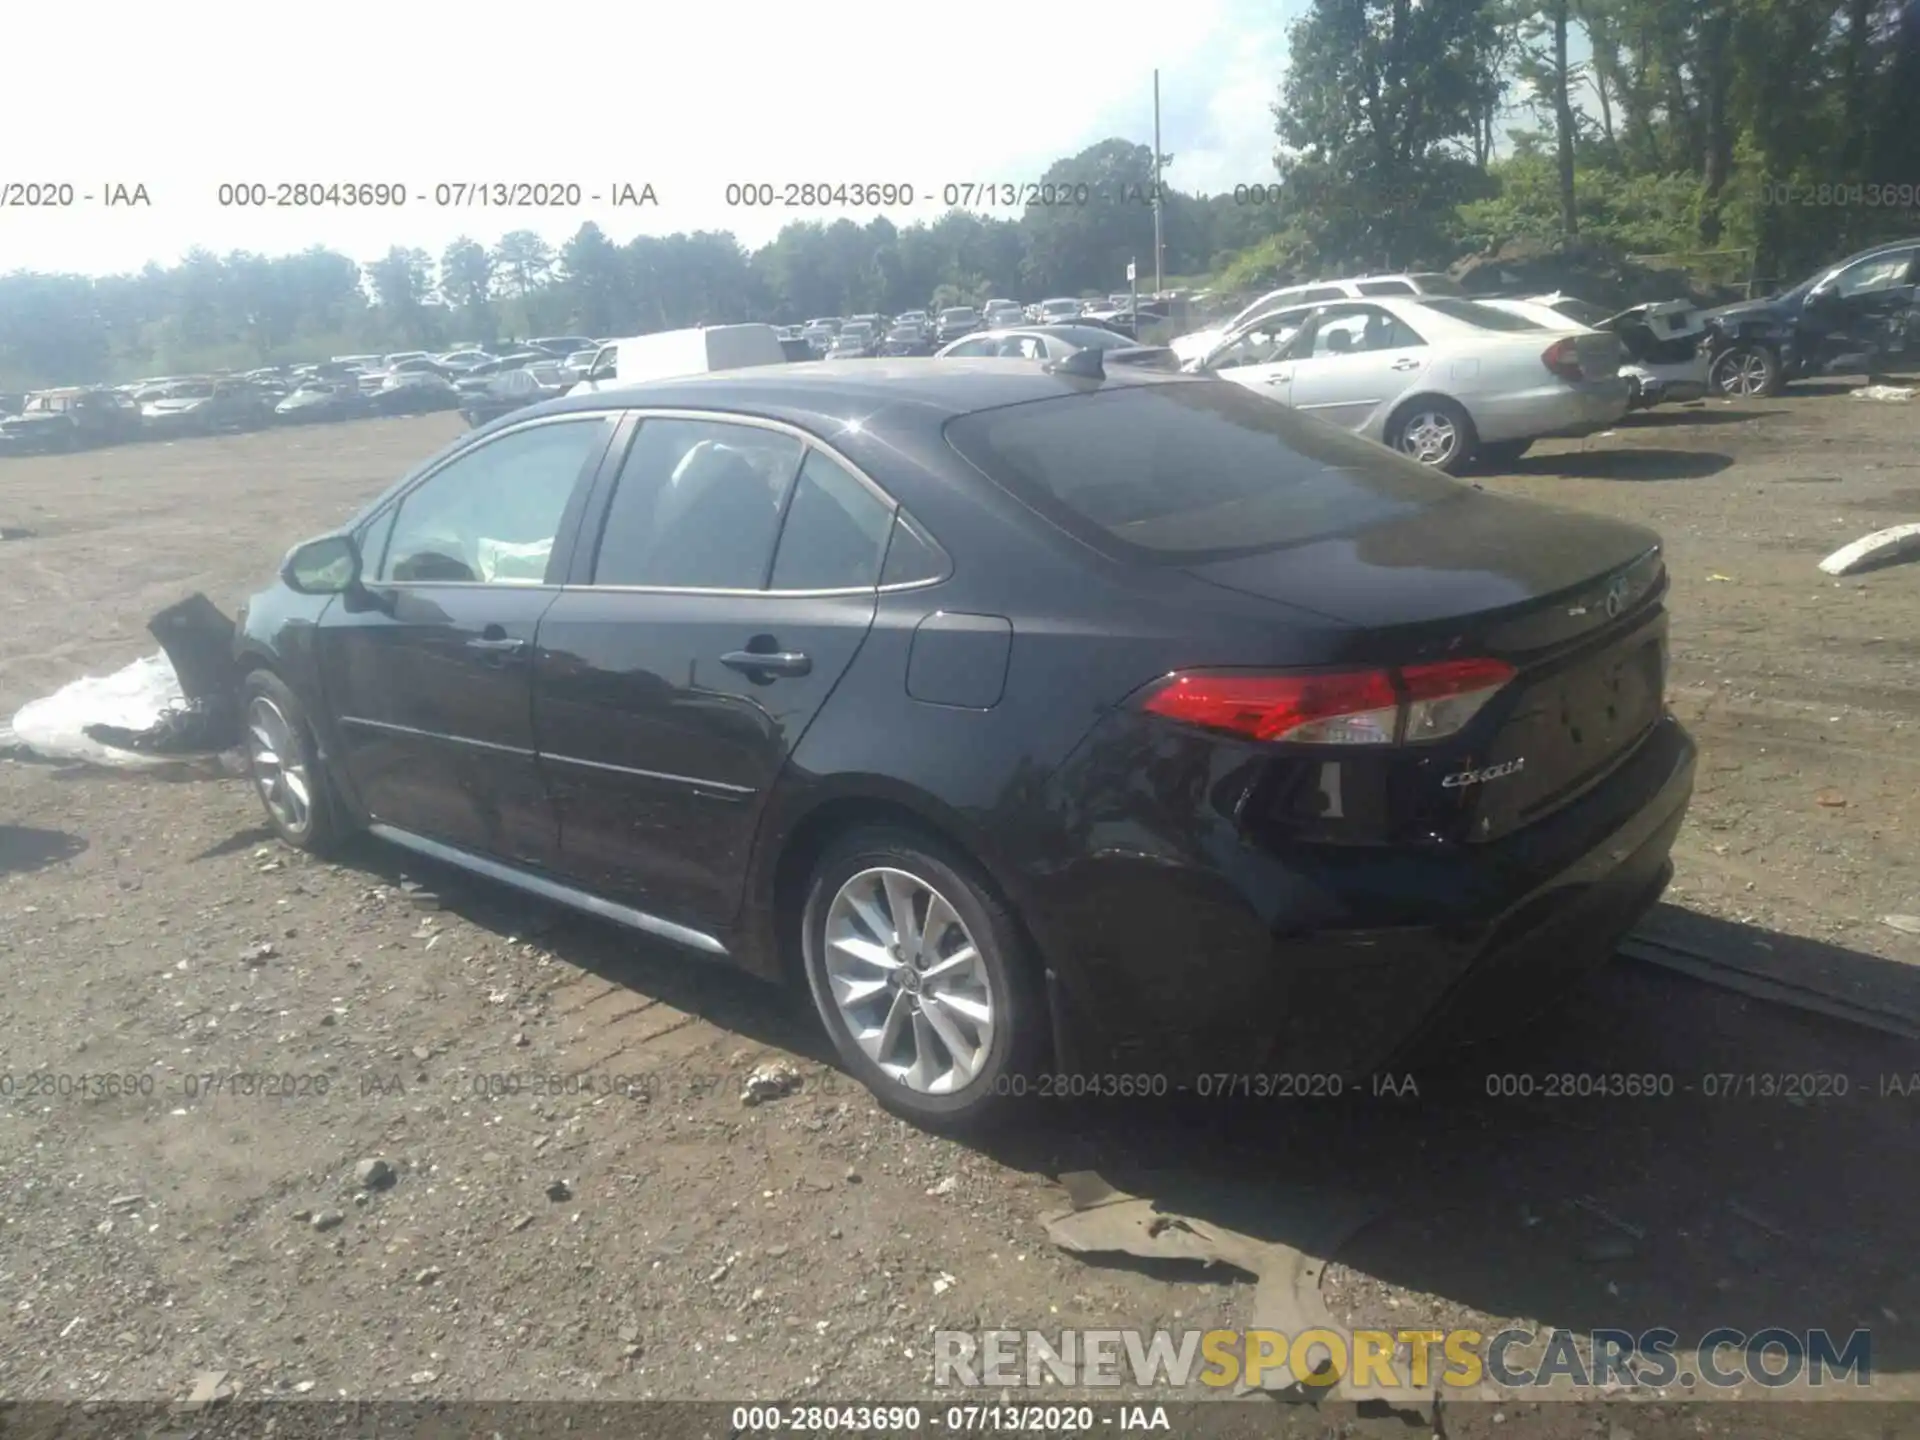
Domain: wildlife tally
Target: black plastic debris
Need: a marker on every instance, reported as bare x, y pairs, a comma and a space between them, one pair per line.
198, 639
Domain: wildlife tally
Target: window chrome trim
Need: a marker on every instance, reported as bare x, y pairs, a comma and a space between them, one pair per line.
390, 728
811, 441
686, 780
512, 586
546, 889
839, 593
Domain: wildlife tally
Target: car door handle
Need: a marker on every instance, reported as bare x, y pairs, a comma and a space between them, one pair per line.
768, 662
497, 645
1280, 379
1408, 363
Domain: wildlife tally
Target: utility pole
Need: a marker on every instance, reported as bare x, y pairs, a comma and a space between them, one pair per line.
1159, 282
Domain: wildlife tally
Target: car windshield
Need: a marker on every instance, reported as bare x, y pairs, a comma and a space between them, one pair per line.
546, 374
1434, 284
1484, 317
190, 391
1060, 306
1799, 292
956, 315
1190, 471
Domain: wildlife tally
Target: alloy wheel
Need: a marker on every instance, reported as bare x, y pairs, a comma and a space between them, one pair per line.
909, 981
278, 769
1429, 437
1743, 373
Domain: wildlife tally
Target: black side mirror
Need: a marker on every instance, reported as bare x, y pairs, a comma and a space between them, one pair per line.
327, 566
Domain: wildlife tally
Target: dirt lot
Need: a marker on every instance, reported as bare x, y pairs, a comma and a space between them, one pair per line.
807, 1246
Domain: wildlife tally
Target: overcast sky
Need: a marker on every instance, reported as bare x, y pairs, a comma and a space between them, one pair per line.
683, 97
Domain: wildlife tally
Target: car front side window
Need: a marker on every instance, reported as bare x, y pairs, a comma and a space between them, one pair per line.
491, 515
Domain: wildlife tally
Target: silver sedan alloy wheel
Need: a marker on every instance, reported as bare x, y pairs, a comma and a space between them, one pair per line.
909, 981
278, 770
1429, 437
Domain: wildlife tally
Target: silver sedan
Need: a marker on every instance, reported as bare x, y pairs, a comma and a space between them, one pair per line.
1443, 380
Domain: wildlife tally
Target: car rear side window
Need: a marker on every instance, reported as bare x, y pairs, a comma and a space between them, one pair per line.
913, 557
835, 533
697, 506
1386, 287
1187, 471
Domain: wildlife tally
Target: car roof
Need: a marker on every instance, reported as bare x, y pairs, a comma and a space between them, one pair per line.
810, 393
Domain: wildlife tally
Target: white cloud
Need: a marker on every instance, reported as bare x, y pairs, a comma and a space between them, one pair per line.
686, 98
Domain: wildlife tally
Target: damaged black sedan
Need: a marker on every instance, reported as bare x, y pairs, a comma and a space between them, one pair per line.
1860, 316
1040, 718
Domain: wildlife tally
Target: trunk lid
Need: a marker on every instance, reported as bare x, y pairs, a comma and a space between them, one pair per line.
1572, 602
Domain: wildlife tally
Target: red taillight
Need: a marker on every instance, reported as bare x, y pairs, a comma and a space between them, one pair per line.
1336, 707
1443, 697
1563, 359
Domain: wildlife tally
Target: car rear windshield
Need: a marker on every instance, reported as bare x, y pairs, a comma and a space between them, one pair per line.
1190, 471
1485, 317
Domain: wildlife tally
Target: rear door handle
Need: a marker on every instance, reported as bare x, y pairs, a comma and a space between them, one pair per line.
497, 645
1278, 379
768, 662
1406, 364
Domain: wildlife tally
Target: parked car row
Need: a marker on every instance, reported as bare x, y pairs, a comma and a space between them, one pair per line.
923, 332
345, 387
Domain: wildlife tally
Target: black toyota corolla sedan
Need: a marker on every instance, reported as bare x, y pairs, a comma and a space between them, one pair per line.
1039, 719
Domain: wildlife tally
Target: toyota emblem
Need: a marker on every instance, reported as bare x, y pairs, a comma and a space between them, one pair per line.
1616, 598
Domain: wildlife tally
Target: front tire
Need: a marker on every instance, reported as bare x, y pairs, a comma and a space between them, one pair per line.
284, 764
1435, 431
1745, 372
922, 978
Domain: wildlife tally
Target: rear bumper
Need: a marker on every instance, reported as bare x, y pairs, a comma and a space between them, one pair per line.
1556, 410
1248, 960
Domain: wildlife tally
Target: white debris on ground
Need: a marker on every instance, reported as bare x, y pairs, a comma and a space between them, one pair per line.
1869, 552
1883, 392
132, 698
769, 1082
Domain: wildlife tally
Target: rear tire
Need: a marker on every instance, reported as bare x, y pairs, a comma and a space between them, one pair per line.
284, 764
1434, 431
941, 1017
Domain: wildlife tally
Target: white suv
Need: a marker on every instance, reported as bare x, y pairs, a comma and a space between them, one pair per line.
1359, 287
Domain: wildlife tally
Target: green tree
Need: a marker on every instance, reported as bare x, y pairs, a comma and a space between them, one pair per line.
1376, 120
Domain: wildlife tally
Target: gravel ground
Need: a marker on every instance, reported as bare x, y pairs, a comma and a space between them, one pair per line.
514, 1161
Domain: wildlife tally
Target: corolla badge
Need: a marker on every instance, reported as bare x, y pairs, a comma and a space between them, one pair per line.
1459, 780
